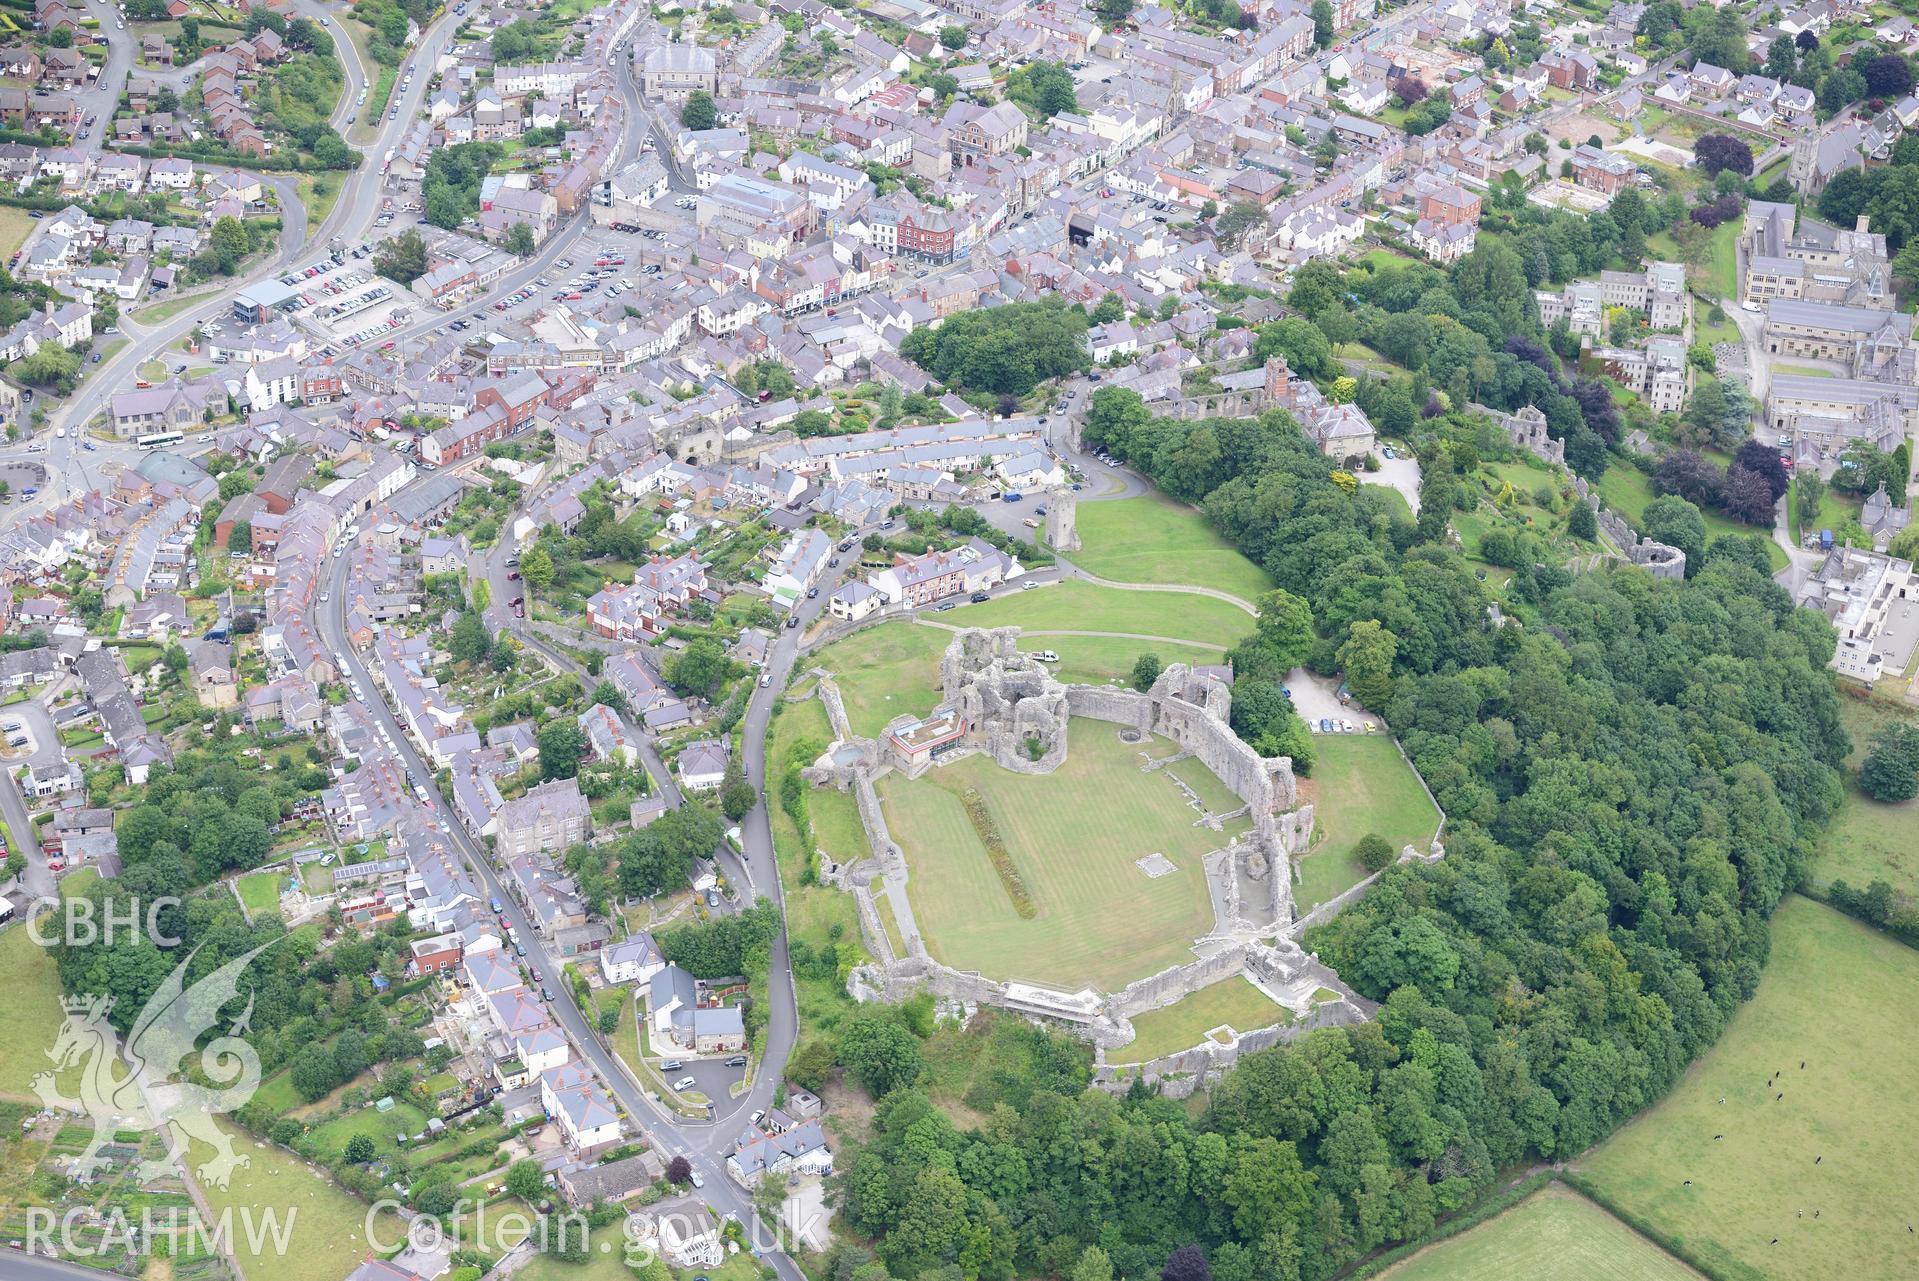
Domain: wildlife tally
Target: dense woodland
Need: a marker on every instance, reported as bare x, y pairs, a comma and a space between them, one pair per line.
1633, 773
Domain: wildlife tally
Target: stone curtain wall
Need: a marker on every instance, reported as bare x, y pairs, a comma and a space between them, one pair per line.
1180, 1075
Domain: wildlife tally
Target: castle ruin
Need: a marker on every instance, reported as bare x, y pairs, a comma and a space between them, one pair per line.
1008, 705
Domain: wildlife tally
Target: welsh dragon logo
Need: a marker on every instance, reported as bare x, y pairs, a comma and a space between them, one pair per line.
137, 1087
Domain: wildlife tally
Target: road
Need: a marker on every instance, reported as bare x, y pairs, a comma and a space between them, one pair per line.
349, 56
351, 217
100, 100
705, 1144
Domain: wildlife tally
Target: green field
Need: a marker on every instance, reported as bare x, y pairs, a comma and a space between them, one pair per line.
1868, 841
884, 671
1553, 1235
1153, 539
1102, 660
326, 1228
30, 1005
1073, 836
1843, 1141
1360, 784
260, 891
1074, 605
1627, 490
1234, 1002
14, 226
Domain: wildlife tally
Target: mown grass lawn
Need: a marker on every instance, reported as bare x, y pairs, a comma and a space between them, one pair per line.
1073, 836
1838, 1136
1553, 1235
382, 1127
1360, 785
1233, 1002
816, 915
260, 891
1100, 660
1152, 539
885, 671
1074, 605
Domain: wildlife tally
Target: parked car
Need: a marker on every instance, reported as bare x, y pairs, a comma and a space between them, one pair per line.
671, 1065
980, 598
684, 1083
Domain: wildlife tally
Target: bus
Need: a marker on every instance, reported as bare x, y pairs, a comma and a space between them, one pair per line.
160, 439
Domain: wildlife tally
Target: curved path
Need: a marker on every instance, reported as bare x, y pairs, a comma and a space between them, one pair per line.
1182, 589
1057, 631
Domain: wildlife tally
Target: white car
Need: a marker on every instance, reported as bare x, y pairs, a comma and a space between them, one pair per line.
60, 433
684, 1083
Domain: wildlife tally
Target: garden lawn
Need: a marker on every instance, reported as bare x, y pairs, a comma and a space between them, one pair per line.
30, 1007
1360, 784
1553, 1235
1102, 660
1073, 836
382, 1127
884, 671
1079, 606
260, 891
324, 1227
1867, 840
1836, 511
1153, 539
1707, 330
605, 1261
1627, 490
1234, 1002
1844, 1140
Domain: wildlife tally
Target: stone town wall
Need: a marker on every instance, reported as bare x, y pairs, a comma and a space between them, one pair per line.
1527, 430
1661, 560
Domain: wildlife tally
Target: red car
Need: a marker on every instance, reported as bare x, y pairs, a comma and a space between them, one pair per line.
513, 577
